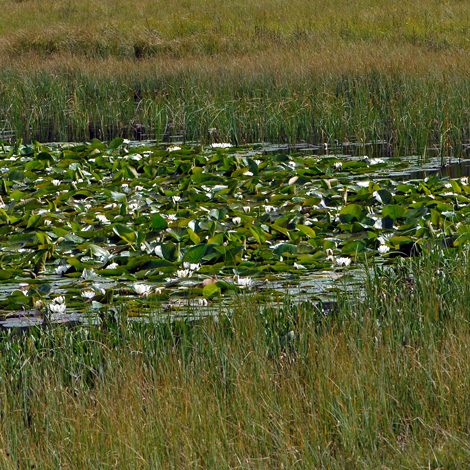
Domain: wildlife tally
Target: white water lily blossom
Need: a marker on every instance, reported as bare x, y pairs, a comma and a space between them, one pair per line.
243, 281
221, 146
56, 182
60, 270
184, 273
382, 249
112, 266
59, 300
88, 294
103, 219
142, 289
57, 308
173, 148
246, 209
237, 220
192, 266
343, 261
338, 165
299, 266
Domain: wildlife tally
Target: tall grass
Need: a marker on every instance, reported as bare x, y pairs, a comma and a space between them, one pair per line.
378, 382
303, 71
266, 98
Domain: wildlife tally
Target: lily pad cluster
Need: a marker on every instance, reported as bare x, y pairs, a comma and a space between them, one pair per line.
98, 223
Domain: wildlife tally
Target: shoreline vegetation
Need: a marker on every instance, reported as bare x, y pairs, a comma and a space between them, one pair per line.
377, 379
377, 382
263, 71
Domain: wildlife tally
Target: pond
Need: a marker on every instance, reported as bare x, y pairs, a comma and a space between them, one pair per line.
166, 229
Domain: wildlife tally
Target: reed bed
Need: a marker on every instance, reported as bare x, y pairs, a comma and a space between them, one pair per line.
380, 381
262, 71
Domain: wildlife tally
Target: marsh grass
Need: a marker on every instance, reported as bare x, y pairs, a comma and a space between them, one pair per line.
380, 381
361, 71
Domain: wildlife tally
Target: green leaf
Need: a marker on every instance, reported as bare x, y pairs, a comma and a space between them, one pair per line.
5, 274
125, 232
307, 231
33, 221
115, 143
158, 223
17, 195
40, 265
285, 248
194, 237
394, 211
353, 209
195, 254
16, 175
385, 196
212, 290
259, 234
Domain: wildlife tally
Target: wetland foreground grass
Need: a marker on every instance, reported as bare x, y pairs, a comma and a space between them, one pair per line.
379, 382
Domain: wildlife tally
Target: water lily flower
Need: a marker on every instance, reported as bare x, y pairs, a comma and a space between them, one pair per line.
343, 261
103, 219
330, 258
59, 300
38, 304
183, 273
382, 249
464, 180
248, 173
158, 290
112, 266
221, 146
57, 308
375, 161
176, 199
173, 148
203, 302
88, 294
338, 165
47, 222
142, 289
243, 281
269, 208
62, 269
133, 206
56, 182
246, 209
299, 266
192, 266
